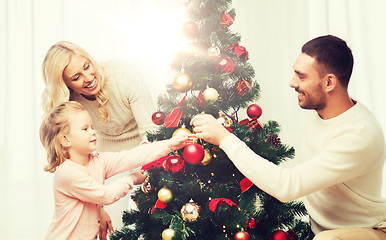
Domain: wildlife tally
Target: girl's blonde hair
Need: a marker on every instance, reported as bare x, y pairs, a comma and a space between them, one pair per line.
54, 126
56, 91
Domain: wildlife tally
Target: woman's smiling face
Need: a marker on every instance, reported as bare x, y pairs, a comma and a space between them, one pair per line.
80, 76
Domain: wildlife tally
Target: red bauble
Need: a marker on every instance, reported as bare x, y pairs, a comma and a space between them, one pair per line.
278, 235
254, 111
193, 153
158, 118
174, 163
242, 235
190, 29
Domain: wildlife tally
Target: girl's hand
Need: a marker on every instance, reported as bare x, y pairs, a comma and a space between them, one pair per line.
140, 176
106, 226
207, 128
180, 141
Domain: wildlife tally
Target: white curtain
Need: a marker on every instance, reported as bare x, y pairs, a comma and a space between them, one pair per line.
146, 33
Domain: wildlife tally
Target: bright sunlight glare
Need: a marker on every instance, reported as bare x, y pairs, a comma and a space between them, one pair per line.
152, 33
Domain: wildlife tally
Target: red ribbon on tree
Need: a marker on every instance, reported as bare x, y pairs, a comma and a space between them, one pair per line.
175, 115
222, 201
200, 99
159, 204
239, 50
156, 164
245, 184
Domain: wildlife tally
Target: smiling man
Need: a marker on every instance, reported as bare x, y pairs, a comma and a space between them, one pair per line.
340, 169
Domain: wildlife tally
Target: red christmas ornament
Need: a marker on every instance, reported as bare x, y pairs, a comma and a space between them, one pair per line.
242, 235
193, 153
255, 125
174, 164
254, 111
226, 19
158, 118
240, 51
250, 224
226, 64
242, 86
278, 235
190, 29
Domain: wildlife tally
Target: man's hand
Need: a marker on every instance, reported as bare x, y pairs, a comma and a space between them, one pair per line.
105, 226
207, 128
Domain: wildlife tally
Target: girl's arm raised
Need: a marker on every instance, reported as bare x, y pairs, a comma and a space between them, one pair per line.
146, 153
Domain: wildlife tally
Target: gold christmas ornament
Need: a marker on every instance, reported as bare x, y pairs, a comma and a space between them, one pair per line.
182, 82
210, 95
165, 195
191, 211
214, 51
207, 158
167, 234
224, 120
181, 131
146, 187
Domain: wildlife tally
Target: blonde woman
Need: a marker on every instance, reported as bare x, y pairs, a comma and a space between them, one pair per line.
113, 94
68, 136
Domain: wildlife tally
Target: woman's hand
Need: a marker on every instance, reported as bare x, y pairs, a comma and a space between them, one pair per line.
207, 128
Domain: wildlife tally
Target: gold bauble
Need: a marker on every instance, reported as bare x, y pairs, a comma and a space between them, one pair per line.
191, 211
146, 187
182, 83
214, 51
165, 195
224, 120
210, 95
167, 234
207, 158
181, 131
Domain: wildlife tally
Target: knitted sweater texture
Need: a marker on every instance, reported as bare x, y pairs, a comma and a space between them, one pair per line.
129, 108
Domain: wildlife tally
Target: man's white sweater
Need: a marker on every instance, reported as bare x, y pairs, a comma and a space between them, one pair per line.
339, 173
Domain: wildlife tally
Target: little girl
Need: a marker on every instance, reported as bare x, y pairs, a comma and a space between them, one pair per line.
68, 136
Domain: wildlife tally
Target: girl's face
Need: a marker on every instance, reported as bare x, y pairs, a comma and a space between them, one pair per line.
80, 76
82, 137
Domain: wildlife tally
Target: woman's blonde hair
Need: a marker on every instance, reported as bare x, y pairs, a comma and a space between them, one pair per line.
56, 91
54, 126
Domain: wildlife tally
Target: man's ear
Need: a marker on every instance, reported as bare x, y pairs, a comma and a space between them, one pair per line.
65, 141
331, 82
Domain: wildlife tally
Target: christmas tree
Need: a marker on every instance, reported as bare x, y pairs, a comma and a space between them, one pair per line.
197, 192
